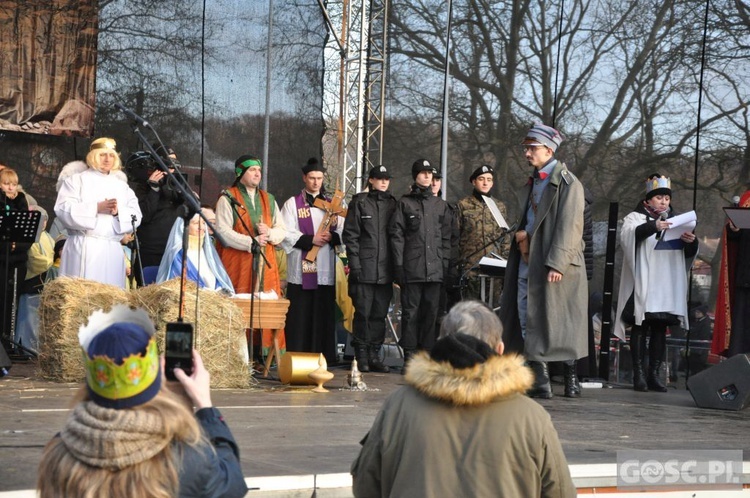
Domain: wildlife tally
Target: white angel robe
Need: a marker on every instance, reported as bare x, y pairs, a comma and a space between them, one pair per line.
92, 250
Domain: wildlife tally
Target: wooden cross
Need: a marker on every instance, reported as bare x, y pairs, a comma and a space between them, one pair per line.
332, 209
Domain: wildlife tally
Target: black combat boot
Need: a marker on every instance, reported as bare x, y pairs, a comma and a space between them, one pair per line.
572, 386
408, 354
638, 354
656, 349
360, 353
373, 355
542, 387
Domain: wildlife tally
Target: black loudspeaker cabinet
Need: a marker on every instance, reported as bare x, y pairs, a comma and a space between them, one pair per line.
725, 386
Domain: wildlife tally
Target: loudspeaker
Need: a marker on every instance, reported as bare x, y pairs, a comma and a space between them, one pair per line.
725, 386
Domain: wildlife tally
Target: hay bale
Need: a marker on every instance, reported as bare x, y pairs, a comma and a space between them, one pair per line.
65, 305
219, 326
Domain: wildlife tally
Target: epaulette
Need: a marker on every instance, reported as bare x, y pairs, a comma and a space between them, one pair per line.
567, 176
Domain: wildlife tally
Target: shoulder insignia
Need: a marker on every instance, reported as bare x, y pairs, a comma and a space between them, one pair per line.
567, 176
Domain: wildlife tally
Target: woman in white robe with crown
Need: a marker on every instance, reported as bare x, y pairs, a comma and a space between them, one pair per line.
654, 281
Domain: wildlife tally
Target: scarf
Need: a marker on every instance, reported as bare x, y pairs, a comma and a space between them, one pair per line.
653, 212
113, 439
304, 216
239, 264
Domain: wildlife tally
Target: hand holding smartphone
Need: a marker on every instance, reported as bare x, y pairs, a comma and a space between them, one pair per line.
179, 348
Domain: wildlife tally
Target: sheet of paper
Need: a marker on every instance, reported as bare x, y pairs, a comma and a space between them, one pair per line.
496, 214
739, 216
680, 224
494, 262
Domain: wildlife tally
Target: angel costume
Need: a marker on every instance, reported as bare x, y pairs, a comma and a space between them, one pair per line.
93, 249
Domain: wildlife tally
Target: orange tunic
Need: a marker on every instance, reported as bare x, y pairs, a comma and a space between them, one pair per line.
239, 264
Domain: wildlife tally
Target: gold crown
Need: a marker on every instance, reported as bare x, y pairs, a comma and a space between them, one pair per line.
137, 371
660, 182
135, 375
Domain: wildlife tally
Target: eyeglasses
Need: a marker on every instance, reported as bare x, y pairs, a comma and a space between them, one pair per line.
532, 147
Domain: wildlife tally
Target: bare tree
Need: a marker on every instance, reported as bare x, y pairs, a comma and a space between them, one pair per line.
619, 78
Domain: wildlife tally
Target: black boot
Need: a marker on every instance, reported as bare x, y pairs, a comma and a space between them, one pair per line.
542, 387
373, 355
360, 353
638, 354
572, 386
656, 349
408, 353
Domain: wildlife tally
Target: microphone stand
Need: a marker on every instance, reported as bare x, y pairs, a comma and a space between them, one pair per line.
464, 275
186, 215
190, 201
255, 249
135, 255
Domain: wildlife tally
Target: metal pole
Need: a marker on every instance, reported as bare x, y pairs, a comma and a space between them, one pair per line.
446, 94
267, 124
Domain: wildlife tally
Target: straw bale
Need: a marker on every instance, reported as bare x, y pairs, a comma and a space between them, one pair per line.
219, 327
65, 305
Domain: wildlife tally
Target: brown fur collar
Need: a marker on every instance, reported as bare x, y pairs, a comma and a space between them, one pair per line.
498, 377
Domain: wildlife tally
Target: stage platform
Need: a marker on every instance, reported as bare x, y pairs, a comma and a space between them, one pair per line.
293, 440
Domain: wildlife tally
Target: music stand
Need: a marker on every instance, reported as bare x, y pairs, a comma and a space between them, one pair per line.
739, 216
19, 227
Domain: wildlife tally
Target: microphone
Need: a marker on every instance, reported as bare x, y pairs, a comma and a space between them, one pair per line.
662, 216
231, 199
736, 201
135, 117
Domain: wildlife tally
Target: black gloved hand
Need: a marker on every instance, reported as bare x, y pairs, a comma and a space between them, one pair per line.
398, 275
354, 276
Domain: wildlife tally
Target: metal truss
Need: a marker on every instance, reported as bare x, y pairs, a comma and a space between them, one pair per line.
364, 31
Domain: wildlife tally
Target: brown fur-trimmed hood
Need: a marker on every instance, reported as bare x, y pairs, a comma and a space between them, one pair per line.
496, 378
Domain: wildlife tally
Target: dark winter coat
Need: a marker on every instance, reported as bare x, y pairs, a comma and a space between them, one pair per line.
215, 471
366, 237
159, 209
421, 236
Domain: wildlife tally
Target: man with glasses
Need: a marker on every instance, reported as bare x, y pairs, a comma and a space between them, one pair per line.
544, 301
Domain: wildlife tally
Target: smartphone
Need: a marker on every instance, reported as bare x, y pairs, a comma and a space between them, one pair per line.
179, 350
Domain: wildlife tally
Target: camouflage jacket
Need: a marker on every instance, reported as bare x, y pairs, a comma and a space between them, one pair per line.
477, 229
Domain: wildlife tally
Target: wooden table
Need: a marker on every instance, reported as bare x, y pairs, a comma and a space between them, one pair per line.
267, 314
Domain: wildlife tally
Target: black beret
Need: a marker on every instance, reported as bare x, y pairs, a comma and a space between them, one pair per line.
480, 171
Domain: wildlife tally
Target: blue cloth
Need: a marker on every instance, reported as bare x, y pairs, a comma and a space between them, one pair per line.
171, 262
